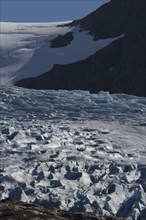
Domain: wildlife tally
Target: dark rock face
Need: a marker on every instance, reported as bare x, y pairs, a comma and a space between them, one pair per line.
115, 18
117, 68
62, 40
16, 210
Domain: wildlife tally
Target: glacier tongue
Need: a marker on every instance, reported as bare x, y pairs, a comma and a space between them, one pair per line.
74, 150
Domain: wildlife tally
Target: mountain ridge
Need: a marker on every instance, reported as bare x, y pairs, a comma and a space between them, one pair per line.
95, 73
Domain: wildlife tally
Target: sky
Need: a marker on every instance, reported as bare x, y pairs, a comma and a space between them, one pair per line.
46, 10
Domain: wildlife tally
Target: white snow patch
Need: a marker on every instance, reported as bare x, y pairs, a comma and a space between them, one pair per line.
25, 49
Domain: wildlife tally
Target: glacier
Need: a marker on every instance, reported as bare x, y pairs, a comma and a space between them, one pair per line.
25, 49
74, 150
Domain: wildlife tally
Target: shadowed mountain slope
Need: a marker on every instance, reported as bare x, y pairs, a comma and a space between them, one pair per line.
119, 67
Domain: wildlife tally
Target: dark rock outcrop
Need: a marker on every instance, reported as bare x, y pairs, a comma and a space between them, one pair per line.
15, 210
117, 68
115, 18
62, 40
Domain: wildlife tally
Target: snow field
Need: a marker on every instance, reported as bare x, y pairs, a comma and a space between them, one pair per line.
25, 49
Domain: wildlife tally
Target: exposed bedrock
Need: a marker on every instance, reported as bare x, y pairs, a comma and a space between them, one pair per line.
119, 67
14, 210
62, 40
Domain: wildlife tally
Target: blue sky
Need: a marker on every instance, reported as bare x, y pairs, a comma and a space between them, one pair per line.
46, 10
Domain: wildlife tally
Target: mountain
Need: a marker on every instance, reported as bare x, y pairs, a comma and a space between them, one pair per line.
118, 67
73, 150
30, 49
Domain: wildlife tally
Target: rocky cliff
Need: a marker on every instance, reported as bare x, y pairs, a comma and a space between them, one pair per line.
118, 68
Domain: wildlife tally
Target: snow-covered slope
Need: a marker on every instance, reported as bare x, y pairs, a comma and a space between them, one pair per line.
25, 48
74, 150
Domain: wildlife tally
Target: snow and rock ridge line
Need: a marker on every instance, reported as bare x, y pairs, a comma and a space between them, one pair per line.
119, 67
26, 49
